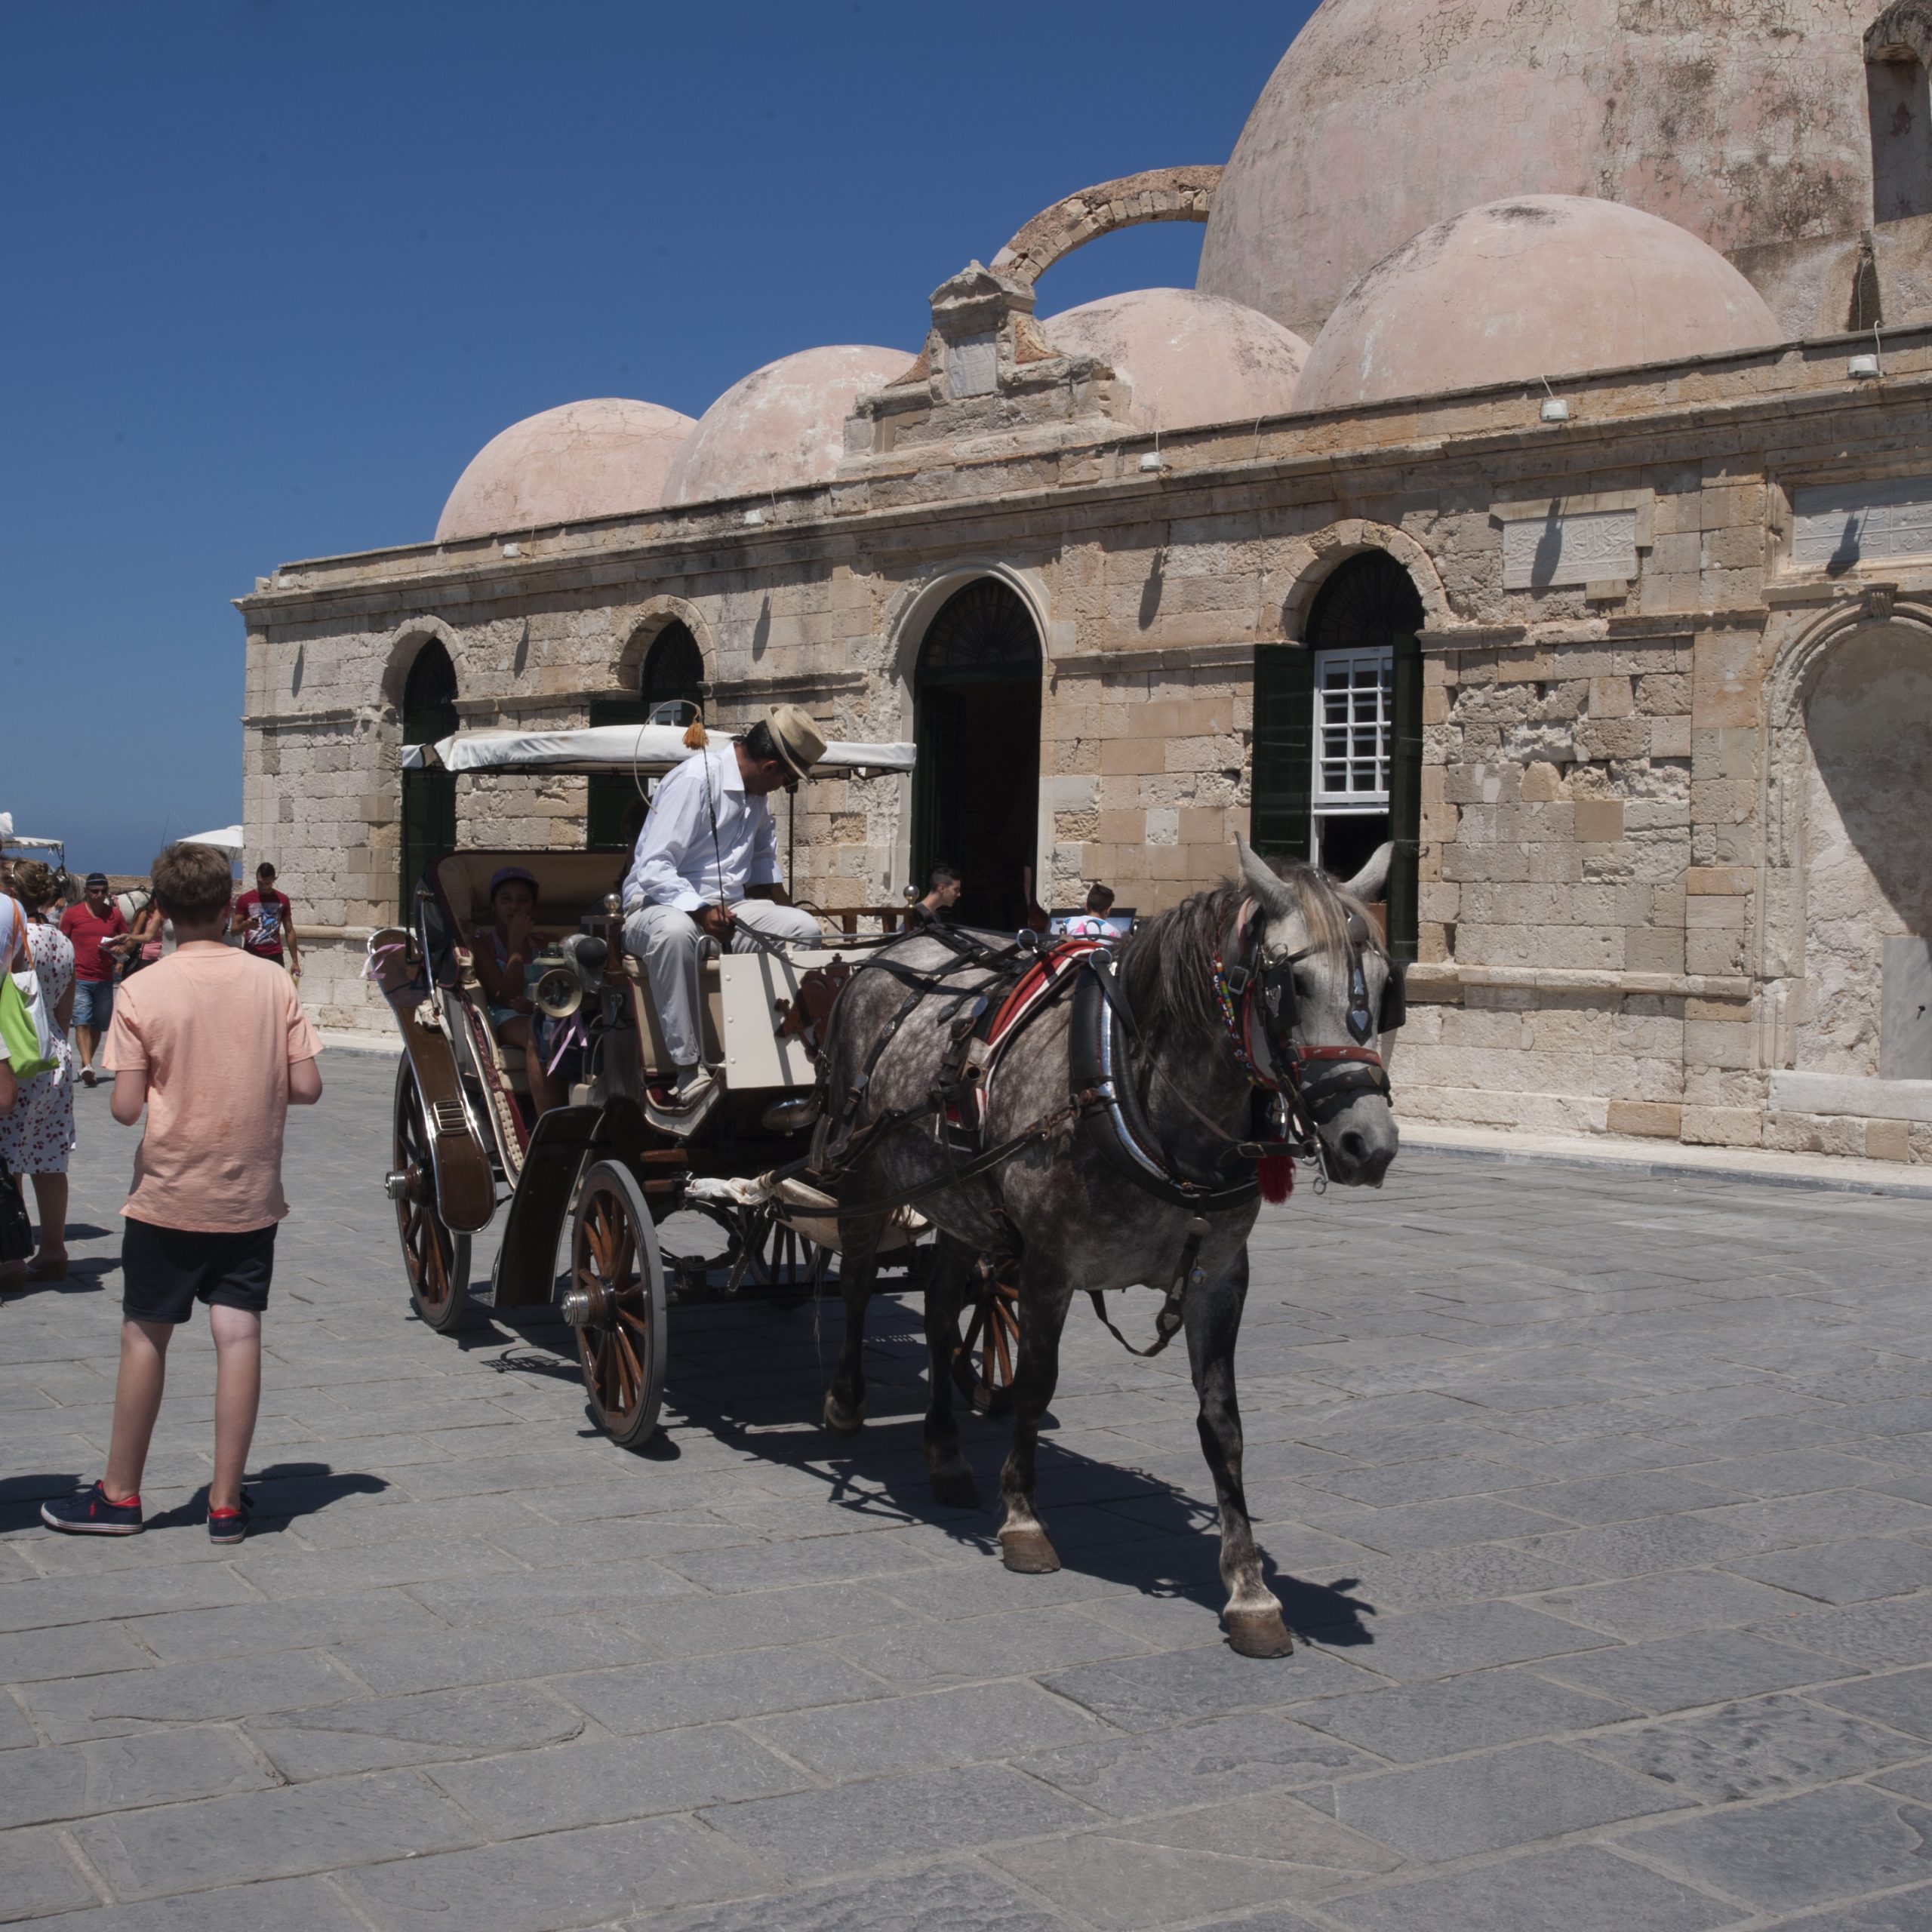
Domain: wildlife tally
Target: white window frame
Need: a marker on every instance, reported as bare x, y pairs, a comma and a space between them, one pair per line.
1348, 803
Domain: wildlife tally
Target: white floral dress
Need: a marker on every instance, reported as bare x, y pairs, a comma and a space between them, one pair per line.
37, 1135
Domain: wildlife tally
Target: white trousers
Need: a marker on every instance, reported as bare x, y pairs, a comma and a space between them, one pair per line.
667, 940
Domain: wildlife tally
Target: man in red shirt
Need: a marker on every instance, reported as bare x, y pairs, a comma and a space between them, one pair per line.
98, 934
267, 922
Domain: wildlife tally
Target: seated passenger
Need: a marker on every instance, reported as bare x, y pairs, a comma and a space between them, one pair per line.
506, 956
707, 866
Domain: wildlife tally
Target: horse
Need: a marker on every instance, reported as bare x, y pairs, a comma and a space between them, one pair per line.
1117, 1146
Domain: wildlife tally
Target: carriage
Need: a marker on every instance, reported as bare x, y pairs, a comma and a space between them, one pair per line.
468, 1146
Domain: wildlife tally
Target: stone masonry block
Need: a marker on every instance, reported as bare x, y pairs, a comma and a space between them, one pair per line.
1888, 1140
1659, 1119
1599, 821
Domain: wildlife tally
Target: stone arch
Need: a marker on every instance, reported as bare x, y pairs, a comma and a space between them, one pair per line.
1796, 673
1160, 194
1292, 588
912, 611
404, 642
647, 619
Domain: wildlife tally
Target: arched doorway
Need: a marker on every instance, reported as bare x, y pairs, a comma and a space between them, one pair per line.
673, 675
976, 795
429, 798
1337, 758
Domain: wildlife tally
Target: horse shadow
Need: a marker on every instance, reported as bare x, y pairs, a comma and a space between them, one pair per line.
738, 1372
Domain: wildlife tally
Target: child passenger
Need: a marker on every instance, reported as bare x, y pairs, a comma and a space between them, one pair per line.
506, 956
216, 1046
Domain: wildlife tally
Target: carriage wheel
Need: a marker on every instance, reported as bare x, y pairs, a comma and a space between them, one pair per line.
616, 1302
767, 1253
988, 1350
438, 1259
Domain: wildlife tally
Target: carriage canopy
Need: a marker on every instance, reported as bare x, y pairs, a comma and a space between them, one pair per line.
647, 750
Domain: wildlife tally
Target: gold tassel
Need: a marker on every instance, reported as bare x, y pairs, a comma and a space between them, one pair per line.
695, 737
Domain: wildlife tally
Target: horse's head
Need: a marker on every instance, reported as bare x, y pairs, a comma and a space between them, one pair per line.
1327, 993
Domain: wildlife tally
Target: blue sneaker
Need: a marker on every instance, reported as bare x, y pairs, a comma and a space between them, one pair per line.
91, 1514
231, 1525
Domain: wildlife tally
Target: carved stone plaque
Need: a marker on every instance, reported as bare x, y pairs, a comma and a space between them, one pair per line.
1591, 546
972, 365
1836, 525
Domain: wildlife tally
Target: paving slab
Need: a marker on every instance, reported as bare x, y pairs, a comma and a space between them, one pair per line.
1605, 1516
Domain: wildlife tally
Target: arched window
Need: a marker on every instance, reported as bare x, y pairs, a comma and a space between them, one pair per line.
1898, 101
673, 674
1337, 755
976, 795
429, 798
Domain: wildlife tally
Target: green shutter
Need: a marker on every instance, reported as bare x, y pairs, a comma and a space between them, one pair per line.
1405, 796
611, 793
1282, 778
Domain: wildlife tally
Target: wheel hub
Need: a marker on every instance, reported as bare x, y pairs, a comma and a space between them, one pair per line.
586, 1305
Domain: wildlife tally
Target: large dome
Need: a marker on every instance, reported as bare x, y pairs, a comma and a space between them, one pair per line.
1190, 359
782, 427
607, 457
1743, 121
1542, 285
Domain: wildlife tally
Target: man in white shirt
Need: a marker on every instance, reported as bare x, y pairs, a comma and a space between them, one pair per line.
707, 866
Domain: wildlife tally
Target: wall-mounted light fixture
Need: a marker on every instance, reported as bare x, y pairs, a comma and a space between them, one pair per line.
1863, 369
751, 518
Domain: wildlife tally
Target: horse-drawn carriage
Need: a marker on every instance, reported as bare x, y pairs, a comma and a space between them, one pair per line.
468, 1143
1068, 1120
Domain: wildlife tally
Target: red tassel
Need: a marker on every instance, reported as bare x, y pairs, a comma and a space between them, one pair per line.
1276, 1173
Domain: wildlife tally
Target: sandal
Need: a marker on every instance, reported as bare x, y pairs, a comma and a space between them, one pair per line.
39, 1269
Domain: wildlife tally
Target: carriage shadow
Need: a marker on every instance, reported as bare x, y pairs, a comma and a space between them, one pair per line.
754, 1375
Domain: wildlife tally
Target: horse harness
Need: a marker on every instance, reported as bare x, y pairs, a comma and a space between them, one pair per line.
1289, 1105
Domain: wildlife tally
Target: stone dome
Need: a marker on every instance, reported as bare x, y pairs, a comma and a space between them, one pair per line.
1191, 359
605, 457
1743, 121
1542, 285
782, 427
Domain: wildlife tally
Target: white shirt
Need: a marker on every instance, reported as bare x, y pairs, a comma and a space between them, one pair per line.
704, 840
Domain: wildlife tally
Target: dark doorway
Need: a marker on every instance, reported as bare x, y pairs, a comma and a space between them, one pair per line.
976, 795
429, 798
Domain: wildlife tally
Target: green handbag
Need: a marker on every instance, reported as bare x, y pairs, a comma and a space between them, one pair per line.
30, 1048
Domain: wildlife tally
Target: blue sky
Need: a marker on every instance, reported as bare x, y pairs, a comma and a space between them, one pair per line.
272, 274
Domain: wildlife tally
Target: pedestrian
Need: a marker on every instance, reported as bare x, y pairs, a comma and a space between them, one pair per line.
37, 1137
217, 1048
943, 886
145, 932
268, 923
98, 934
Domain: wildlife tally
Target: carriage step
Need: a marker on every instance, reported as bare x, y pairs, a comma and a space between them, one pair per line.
450, 1118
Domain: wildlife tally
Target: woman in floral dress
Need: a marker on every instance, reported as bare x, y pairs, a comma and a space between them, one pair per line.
37, 1135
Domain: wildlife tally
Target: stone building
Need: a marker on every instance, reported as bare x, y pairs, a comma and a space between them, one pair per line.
1540, 475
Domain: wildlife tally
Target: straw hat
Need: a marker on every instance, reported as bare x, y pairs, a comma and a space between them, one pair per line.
800, 743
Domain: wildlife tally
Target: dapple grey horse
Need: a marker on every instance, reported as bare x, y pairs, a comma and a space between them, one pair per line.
1076, 1222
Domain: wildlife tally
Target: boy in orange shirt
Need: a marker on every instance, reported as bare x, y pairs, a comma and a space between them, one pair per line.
217, 1046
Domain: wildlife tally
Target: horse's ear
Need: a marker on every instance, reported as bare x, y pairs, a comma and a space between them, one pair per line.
1371, 883
1263, 880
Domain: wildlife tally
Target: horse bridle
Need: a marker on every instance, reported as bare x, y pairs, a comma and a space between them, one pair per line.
1343, 1074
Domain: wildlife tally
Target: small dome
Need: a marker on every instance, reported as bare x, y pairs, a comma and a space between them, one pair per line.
781, 427
1192, 359
1543, 285
606, 457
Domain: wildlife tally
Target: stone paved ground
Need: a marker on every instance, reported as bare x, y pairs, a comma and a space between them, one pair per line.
1604, 1503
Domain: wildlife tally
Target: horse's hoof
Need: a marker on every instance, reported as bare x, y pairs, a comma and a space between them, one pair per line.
956, 1488
842, 1421
1258, 1633
1028, 1552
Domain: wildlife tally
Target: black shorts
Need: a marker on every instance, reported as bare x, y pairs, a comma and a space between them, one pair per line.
165, 1271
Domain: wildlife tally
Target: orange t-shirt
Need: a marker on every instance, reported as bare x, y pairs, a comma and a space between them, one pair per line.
216, 1033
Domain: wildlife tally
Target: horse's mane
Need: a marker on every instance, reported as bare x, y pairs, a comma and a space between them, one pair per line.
1167, 963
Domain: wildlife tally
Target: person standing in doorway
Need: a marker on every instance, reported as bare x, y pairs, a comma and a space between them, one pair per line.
215, 1047
99, 935
268, 923
943, 886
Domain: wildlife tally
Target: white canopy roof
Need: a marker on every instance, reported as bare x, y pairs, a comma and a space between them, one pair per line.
228, 838
646, 749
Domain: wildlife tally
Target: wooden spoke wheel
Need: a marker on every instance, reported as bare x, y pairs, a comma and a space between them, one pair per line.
987, 1350
438, 1259
767, 1254
616, 1302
